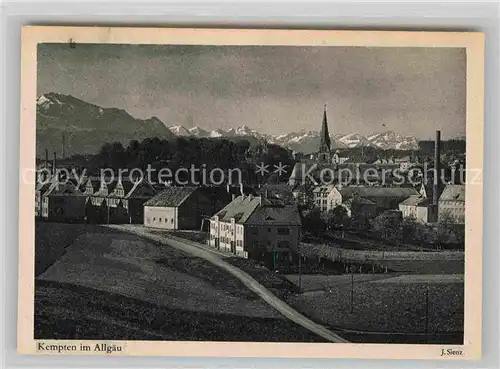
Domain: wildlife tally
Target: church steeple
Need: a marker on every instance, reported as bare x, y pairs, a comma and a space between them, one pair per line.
324, 143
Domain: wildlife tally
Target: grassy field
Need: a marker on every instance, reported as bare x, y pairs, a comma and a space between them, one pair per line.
384, 307
276, 283
425, 266
113, 285
65, 311
51, 240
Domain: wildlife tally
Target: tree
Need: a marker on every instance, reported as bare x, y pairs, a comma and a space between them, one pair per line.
306, 196
387, 225
312, 221
358, 218
409, 228
336, 219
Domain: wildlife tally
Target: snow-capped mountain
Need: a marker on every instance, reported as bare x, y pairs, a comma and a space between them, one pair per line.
392, 140
353, 140
217, 133
198, 132
245, 131
87, 127
179, 131
307, 141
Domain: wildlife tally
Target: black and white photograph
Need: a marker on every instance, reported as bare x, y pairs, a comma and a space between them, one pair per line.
251, 193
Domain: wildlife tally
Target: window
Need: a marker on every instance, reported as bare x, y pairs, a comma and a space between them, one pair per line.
283, 231
172, 220
284, 244
159, 220
154, 219
166, 220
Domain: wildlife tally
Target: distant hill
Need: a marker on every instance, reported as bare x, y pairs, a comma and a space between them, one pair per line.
86, 127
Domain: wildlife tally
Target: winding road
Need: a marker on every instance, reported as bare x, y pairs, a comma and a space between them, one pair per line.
216, 258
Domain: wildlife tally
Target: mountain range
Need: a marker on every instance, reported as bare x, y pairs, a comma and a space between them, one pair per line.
86, 127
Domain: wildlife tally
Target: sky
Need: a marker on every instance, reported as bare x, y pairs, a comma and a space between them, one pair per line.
273, 89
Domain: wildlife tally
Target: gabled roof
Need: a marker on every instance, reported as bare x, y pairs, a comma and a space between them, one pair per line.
240, 209
171, 197
358, 200
95, 182
416, 200
453, 193
280, 191
275, 215
259, 211
322, 189
62, 189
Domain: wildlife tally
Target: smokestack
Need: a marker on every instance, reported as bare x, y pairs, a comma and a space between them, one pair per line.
62, 149
437, 167
54, 171
46, 158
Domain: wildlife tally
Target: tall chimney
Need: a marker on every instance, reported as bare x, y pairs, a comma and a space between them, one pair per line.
437, 167
62, 149
54, 171
47, 163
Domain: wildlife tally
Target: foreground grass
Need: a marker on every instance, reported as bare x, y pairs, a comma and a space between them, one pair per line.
274, 282
109, 284
64, 311
51, 240
396, 308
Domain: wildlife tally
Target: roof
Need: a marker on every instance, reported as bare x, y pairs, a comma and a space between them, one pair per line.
358, 200
282, 192
240, 209
275, 215
62, 189
95, 182
322, 189
363, 191
259, 211
453, 193
171, 197
416, 200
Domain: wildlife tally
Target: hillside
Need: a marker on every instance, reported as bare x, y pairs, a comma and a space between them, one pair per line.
86, 127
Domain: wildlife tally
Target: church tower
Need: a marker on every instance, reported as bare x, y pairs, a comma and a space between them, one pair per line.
324, 153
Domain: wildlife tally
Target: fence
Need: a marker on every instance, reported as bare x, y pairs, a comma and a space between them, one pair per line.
336, 253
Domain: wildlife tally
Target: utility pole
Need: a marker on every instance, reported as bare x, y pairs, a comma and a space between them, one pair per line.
352, 289
300, 274
426, 313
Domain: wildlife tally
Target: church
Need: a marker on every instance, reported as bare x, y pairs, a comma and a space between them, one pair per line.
323, 160
328, 167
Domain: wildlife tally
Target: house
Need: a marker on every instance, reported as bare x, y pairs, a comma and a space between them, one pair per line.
117, 200
365, 208
418, 207
257, 228
62, 201
281, 192
40, 189
452, 203
385, 198
183, 207
325, 198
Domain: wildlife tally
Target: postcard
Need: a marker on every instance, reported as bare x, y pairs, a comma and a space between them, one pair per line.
251, 193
